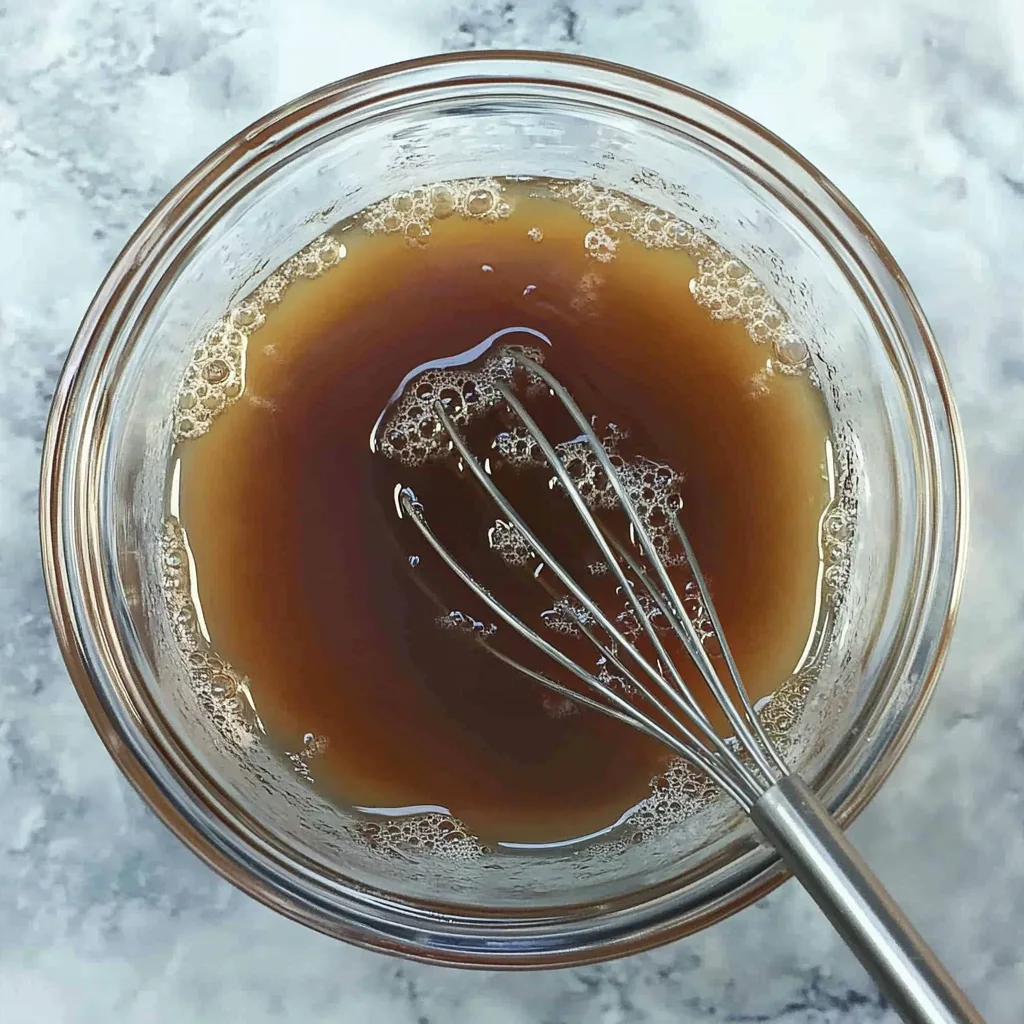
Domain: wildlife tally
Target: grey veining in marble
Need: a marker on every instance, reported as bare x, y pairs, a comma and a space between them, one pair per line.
914, 107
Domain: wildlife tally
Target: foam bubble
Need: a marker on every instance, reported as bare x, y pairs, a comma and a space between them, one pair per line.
460, 622
724, 286
410, 430
653, 487
509, 544
838, 527
517, 447
679, 792
781, 710
631, 627
565, 617
223, 693
215, 375
613, 680
313, 746
412, 212
439, 834
601, 244
613, 214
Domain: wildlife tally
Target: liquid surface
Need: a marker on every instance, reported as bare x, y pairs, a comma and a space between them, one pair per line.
358, 646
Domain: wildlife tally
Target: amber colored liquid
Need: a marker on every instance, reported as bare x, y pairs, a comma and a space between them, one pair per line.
303, 567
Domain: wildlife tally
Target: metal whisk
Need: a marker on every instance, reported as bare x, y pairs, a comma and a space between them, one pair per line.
780, 804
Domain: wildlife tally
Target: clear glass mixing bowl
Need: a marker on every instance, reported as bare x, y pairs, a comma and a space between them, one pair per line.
270, 191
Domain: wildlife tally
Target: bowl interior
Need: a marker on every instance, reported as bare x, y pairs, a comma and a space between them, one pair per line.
274, 192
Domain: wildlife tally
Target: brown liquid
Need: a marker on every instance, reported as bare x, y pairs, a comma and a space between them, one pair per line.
303, 567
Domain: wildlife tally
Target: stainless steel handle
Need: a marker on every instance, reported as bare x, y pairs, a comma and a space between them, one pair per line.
814, 848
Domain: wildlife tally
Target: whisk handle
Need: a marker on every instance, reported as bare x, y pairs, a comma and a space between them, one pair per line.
820, 856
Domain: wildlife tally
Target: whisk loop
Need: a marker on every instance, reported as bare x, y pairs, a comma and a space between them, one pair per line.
694, 737
747, 766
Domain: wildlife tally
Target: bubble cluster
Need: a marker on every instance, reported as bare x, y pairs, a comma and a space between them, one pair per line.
614, 680
509, 544
724, 286
728, 290
312, 747
222, 693
601, 243
653, 488
411, 213
679, 792
213, 379
565, 617
215, 375
693, 606
780, 712
410, 430
460, 622
439, 834
614, 214
627, 622
696, 612
837, 534
517, 447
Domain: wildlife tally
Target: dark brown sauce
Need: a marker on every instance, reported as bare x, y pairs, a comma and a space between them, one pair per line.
303, 567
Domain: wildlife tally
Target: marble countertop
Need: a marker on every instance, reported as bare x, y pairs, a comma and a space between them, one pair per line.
915, 108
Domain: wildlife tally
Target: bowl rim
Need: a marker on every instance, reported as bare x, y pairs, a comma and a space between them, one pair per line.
658, 927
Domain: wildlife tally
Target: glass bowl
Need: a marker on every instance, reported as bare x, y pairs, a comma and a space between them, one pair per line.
268, 193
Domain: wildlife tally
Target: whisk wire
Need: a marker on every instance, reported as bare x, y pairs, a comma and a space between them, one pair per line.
680, 695
780, 804
692, 750
730, 662
680, 620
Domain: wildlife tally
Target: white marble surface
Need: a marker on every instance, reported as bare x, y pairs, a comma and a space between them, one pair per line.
914, 107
